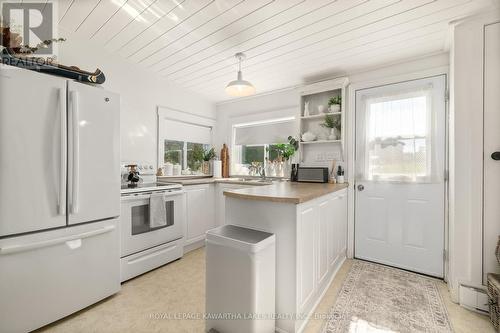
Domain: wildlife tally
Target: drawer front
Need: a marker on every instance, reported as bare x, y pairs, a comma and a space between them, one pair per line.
47, 276
147, 260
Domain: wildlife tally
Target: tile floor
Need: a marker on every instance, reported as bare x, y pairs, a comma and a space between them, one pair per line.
171, 299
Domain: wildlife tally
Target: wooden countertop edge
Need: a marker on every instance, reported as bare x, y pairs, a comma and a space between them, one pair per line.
254, 197
283, 198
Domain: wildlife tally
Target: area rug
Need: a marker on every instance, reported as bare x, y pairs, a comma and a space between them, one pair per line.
377, 298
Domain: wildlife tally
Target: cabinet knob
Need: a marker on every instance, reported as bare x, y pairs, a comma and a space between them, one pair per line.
361, 187
496, 156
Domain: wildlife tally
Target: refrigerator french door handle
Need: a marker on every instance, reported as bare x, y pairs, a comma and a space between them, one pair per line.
64, 156
75, 151
51, 242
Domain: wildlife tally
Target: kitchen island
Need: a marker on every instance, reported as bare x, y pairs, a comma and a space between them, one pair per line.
310, 224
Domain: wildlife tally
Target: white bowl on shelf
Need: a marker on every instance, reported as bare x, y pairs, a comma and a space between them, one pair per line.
308, 136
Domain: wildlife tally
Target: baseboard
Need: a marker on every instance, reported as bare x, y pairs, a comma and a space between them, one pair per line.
194, 245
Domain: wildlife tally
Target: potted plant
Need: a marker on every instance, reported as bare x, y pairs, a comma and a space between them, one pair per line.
333, 123
208, 156
334, 103
285, 151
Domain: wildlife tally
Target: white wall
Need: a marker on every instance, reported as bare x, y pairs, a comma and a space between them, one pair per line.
286, 102
466, 152
141, 92
266, 106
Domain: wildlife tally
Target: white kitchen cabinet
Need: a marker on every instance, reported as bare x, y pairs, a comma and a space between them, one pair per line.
307, 223
220, 205
310, 248
322, 239
200, 214
342, 209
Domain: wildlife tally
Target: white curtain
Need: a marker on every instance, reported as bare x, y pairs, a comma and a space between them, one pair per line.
397, 131
264, 133
183, 131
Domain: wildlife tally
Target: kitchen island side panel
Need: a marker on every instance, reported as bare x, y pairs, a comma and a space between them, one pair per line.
281, 220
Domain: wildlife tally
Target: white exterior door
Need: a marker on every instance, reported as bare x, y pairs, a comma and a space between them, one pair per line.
491, 208
93, 154
32, 151
400, 164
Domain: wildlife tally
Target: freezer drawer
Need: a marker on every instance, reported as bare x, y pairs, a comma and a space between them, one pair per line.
49, 275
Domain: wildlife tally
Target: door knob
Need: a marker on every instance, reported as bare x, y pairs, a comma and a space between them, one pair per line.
496, 156
361, 188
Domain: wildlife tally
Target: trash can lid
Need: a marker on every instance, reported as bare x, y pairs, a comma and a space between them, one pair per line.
243, 238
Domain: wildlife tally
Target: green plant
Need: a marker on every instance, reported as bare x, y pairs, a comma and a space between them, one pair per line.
285, 150
331, 122
335, 100
294, 142
197, 153
209, 154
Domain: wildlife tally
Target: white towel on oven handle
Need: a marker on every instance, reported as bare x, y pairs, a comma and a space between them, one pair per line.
157, 210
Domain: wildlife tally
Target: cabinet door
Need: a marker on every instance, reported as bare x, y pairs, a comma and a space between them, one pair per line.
491, 179
220, 213
307, 222
342, 204
333, 230
323, 239
199, 212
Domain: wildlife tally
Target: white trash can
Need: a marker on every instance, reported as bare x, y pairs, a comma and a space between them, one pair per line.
240, 280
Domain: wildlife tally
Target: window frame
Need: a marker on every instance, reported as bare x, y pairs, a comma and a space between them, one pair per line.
184, 164
164, 114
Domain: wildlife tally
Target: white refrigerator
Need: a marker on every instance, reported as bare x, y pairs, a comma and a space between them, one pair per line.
59, 197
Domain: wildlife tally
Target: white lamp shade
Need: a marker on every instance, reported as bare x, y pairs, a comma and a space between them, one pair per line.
240, 87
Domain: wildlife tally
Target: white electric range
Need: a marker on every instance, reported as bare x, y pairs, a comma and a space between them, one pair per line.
151, 220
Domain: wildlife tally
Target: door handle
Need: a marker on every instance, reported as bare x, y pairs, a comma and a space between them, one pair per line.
64, 142
76, 152
361, 187
51, 242
496, 156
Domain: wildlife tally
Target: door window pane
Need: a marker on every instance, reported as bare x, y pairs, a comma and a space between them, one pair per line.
397, 143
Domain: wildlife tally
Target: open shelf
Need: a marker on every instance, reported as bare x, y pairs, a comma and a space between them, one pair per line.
319, 141
322, 115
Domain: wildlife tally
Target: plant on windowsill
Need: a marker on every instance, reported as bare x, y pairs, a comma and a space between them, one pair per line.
334, 103
208, 156
285, 151
333, 123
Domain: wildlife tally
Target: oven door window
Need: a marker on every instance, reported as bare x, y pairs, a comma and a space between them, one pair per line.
141, 219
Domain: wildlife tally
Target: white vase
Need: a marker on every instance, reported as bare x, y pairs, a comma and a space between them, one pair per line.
334, 134
321, 109
306, 109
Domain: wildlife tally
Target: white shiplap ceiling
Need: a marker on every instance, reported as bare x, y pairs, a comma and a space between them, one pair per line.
193, 42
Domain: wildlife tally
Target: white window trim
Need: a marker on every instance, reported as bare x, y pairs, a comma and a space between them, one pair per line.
168, 113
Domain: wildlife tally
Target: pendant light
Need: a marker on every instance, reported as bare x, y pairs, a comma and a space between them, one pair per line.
240, 87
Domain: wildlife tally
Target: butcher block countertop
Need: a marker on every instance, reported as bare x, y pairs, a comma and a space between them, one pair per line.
286, 192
